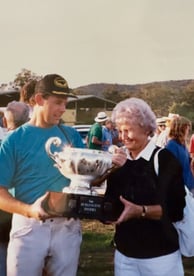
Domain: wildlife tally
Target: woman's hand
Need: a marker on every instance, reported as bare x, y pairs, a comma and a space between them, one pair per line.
131, 210
119, 156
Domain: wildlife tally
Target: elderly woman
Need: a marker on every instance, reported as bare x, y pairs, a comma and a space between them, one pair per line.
147, 200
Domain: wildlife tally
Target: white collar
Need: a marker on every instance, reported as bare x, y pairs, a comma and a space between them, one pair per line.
146, 152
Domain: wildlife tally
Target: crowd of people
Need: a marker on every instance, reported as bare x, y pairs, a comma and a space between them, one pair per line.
103, 133
147, 201
174, 133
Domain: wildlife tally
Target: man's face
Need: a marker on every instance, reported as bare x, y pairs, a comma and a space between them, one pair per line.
52, 109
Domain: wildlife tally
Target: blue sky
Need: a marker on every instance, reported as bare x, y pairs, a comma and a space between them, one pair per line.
93, 41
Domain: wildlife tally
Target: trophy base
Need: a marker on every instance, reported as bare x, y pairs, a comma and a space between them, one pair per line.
80, 206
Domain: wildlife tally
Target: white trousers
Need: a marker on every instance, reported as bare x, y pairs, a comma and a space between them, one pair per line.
53, 244
167, 265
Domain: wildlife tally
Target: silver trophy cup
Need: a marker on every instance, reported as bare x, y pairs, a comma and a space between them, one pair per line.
82, 166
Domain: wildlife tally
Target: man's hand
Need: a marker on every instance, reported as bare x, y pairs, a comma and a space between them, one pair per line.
36, 211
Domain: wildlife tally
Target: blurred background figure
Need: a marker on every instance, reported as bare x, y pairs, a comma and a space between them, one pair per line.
191, 152
161, 125
177, 144
2, 129
15, 115
94, 137
115, 136
1, 118
163, 136
26, 94
107, 134
191, 146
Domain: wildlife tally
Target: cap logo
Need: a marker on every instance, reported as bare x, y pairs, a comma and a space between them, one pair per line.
60, 82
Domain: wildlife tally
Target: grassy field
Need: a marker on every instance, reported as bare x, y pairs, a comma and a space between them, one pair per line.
96, 256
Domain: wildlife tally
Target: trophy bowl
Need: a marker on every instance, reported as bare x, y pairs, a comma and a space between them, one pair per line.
81, 166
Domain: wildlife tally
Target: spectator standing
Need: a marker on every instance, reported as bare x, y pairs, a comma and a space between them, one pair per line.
94, 137
107, 134
191, 146
161, 126
163, 136
115, 136
147, 201
191, 152
178, 135
2, 129
15, 114
27, 94
1, 118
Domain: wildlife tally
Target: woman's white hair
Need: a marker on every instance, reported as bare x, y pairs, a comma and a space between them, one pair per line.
135, 111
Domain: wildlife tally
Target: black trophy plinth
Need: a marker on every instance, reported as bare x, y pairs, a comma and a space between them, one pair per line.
80, 206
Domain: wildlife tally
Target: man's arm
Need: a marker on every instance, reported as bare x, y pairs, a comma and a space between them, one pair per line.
11, 205
96, 141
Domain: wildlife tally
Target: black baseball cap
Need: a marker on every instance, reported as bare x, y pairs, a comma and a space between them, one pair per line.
54, 84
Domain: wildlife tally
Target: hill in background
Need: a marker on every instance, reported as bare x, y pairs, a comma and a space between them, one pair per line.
174, 96
164, 97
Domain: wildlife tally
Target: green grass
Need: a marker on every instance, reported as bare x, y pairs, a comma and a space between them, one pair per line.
96, 256
97, 252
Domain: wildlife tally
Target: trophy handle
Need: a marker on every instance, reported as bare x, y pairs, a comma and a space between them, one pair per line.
98, 181
55, 141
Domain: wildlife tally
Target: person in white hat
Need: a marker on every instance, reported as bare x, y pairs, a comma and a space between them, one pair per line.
94, 138
161, 126
163, 137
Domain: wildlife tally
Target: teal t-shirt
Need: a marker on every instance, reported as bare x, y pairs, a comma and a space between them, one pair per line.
25, 164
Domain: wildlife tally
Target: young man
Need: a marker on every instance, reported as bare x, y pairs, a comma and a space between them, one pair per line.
38, 242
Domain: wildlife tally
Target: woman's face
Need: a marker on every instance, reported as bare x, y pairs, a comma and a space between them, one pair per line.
134, 137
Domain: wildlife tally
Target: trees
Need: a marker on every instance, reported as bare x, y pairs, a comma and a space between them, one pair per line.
164, 97
24, 76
